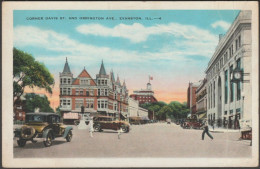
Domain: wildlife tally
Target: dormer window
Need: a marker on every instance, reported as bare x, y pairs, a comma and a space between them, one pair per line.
84, 82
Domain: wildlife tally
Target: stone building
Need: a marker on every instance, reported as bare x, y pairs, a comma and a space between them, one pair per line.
230, 100
102, 95
201, 100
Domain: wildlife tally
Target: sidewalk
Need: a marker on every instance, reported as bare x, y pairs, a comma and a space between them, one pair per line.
223, 130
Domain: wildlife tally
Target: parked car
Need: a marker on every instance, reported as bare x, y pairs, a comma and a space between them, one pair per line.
42, 126
107, 122
191, 123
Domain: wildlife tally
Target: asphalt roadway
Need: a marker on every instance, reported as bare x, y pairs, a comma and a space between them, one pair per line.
150, 140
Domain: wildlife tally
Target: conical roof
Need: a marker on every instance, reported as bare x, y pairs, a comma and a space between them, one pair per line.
102, 70
66, 67
124, 84
118, 81
112, 76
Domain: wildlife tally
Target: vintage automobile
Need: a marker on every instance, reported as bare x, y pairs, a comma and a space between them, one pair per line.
192, 124
107, 122
42, 126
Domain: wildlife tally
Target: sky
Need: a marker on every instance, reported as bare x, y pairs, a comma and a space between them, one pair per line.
172, 46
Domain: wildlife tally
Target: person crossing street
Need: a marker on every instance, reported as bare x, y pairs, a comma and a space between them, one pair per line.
206, 130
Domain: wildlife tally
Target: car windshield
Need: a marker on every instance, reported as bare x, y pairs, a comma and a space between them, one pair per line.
35, 118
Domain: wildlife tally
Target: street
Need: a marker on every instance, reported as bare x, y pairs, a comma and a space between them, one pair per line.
150, 140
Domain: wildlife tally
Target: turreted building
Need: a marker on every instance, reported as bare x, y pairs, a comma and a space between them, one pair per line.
102, 95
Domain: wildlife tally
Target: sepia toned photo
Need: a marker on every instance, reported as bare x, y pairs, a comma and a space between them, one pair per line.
130, 84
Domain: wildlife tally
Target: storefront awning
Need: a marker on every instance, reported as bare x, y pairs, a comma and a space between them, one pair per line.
135, 118
145, 118
202, 116
70, 116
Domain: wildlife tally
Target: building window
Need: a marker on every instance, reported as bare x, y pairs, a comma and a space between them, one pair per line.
61, 91
211, 95
225, 57
68, 81
225, 113
214, 93
77, 91
81, 92
84, 82
226, 86
106, 94
236, 44
91, 92
239, 41
90, 103
87, 93
232, 50
69, 91
60, 80
64, 80
102, 104
78, 103
239, 83
230, 112
231, 85
65, 103
64, 91
115, 106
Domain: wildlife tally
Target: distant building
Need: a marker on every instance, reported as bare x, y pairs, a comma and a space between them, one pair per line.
144, 95
135, 112
102, 95
191, 97
201, 100
230, 101
19, 109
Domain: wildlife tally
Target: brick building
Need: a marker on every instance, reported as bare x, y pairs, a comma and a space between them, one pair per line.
144, 95
191, 97
102, 95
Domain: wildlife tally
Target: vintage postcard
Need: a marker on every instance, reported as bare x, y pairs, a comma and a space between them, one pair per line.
130, 84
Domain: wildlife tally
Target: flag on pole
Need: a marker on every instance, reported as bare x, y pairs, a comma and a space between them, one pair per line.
151, 78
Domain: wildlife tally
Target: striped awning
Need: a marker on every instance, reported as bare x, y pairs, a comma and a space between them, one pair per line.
202, 116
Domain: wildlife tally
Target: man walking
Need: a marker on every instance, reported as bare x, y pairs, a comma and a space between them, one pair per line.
206, 130
91, 129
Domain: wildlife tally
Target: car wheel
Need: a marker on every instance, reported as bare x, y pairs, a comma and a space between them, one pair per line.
97, 127
21, 142
48, 140
69, 136
124, 129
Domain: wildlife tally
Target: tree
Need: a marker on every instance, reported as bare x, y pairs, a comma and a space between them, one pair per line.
29, 73
34, 101
164, 112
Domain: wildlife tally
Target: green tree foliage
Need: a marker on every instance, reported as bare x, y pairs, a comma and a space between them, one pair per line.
29, 72
173, 110
34, 101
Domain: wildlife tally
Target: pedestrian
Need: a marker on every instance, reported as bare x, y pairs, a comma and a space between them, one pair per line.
206, 130
91, 128
119, 130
